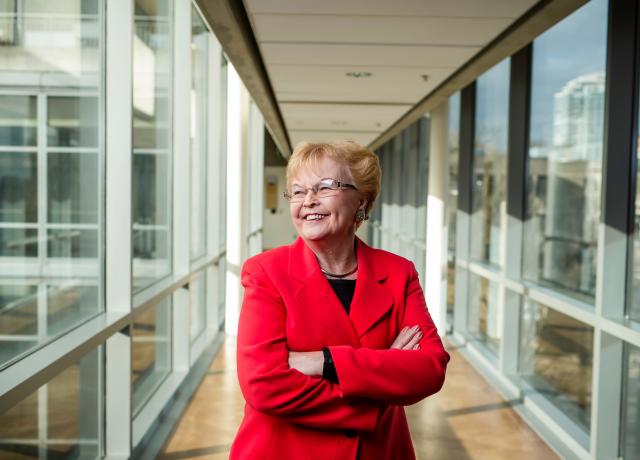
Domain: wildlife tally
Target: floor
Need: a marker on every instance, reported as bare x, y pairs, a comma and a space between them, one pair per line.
466, 420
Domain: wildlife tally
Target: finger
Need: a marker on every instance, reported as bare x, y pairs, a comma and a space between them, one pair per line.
416, 346
405, 335
414, 340
401, 339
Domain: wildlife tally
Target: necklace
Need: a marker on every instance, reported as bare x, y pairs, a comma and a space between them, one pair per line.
335, 275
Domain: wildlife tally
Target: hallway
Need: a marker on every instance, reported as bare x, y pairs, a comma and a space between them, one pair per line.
459, 423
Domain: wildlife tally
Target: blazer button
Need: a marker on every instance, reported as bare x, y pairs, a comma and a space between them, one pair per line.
350, 433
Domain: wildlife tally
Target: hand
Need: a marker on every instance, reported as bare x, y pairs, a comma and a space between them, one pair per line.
308, 362
408, 339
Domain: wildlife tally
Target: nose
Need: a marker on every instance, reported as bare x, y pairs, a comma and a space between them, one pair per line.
310, 199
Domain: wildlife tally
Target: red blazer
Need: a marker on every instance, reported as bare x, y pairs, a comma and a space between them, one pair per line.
289, 305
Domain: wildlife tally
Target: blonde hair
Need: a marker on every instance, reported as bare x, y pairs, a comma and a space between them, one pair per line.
363, 164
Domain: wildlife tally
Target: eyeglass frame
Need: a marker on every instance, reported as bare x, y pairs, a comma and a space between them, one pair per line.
340, 186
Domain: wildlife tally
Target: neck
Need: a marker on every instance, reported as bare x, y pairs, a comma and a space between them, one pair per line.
335, 256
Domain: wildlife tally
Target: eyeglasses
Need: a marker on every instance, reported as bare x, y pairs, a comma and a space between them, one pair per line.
323, 189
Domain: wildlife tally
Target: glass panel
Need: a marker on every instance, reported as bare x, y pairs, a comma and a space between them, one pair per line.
630, 445
151, 245
486, 307
18, 320
633, 307
222, 287
423, 180
565, 152
18, 116
18, 242
151, 233
72, 122
199, 99
198, 301
488, 220
222, 190
556, 354
18, 187
72, 243
60, 420
69, 305
51, 203
452, 198
72, 191
150, 351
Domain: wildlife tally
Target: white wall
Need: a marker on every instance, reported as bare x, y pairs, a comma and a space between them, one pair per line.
278, 228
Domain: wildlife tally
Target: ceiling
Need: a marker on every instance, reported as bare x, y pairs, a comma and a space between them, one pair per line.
408, 46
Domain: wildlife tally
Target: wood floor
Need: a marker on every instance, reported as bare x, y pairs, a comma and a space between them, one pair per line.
466, 420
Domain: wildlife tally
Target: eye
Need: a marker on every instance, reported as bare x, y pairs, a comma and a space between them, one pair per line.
297, 192
323, 187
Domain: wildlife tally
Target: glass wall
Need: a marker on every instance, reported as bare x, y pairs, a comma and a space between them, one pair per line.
198, 305
152, 140
453, 154
199, 94
55, 242
486, 306
51, 170
556, 354
490, 165
630, 442
150, 351
398, 220
633, 303
61, 419
565, 153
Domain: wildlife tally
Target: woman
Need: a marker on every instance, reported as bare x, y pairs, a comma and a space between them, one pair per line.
334, 336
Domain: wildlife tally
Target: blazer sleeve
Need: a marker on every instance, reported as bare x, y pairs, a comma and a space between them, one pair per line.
267, 382
399, 377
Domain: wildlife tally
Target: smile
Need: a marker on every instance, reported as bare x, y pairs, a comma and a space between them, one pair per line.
310, 217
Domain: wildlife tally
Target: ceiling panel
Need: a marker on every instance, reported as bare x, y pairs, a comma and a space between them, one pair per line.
377, 30
371, 55
461, 8
340, 117
386, 84
329, 136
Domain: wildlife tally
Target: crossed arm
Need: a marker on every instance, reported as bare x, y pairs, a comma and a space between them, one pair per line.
287, 384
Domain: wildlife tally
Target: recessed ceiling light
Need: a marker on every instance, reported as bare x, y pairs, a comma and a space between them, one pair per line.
358, 74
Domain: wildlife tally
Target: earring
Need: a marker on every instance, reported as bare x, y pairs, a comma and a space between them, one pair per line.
360, 215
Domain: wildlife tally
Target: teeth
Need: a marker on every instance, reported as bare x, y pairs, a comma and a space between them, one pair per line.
314, 216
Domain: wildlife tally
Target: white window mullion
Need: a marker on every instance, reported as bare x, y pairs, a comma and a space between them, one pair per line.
180, 167
214, 155
119, 32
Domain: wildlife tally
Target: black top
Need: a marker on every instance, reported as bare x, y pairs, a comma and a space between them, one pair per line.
344, 289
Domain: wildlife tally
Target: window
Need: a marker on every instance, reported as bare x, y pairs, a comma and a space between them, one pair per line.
61, 419
452, 198
152, 138
150, 351
556, 354
198, 302
630, 428
565, 153
490, 165
199, 119
51, 171
485, 312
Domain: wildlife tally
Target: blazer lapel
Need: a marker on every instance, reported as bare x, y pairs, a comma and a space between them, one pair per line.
316, 296
371, 300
